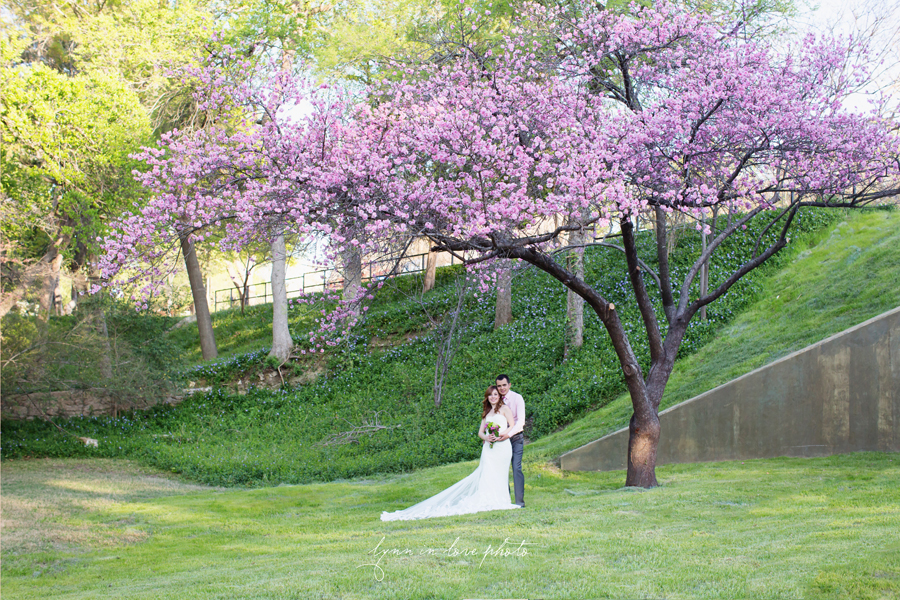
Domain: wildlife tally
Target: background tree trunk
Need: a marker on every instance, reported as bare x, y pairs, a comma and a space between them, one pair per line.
198, 292
704, 270
80, 285
282, 344
48, 294
447, 341
106, 368
574, 302
352, 279
240, 279
54, 287
503, 312
430, 271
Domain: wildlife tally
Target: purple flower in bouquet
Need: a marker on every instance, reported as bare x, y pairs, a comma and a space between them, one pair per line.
492, 428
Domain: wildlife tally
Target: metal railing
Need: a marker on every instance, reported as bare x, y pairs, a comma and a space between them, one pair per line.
317, 281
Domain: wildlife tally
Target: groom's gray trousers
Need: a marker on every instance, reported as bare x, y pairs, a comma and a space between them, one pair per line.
518, 446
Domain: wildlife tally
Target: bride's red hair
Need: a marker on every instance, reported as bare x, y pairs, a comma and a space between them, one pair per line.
486, 405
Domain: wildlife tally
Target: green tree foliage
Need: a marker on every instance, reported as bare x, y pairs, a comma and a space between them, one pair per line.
66, 140
138, 42
362, 36
84, 85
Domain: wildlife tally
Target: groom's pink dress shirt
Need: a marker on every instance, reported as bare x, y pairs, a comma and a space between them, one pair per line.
516, 404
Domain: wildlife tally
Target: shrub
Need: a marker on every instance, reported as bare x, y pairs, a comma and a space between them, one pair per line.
104, 345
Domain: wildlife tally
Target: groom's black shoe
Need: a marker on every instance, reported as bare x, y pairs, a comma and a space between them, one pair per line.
521, 505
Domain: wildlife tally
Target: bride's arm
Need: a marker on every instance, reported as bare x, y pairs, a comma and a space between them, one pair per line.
481, 432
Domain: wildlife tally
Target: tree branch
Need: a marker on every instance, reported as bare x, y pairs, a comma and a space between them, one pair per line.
648, 315
662, 255
684, 293
746, 267
352, 436
644, 267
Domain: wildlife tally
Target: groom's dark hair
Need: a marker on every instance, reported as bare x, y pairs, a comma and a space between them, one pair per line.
503, 376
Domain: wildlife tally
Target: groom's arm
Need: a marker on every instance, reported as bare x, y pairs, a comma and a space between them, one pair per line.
520, 417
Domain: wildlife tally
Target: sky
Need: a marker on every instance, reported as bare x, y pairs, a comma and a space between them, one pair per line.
877, 18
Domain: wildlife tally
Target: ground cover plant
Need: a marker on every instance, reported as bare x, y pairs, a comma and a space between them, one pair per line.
781, 528
267, 437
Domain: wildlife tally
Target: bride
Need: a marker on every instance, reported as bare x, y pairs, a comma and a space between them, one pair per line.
485, 489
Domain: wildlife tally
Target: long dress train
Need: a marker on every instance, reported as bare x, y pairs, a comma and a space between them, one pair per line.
487, 488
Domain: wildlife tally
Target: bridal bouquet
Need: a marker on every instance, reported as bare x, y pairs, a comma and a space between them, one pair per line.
492, 428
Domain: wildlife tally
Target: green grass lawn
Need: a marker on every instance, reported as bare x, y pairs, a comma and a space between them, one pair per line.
781, 528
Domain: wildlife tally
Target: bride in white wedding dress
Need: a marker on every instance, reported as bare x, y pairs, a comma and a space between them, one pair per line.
485, 489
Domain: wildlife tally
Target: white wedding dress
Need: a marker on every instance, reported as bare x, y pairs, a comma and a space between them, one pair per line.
485, 489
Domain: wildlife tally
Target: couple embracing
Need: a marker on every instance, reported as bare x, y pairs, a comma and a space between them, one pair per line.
502, 423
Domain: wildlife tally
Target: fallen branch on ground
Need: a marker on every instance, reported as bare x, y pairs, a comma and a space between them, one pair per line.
352, 436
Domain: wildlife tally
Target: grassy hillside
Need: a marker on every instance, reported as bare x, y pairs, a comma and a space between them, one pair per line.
268, 437
845, 275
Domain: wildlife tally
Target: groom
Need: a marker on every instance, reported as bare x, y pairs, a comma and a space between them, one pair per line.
514, 434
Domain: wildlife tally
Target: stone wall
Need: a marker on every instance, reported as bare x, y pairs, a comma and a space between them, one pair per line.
839, 395
73, 403
68, 403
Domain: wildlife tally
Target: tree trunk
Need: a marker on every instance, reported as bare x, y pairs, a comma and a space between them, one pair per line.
352, 280
55, 291
704, 270
503, 312
52, 263
198, 292
81, 285
574, 302
282, 344
644, 429
430, 271
106, 369
643, 441
242, 285
447, 344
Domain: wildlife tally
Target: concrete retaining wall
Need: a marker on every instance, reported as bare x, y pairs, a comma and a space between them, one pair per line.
839, 395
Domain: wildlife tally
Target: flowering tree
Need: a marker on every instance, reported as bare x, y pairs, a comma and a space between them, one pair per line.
660, 110
275, 155
514, 152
